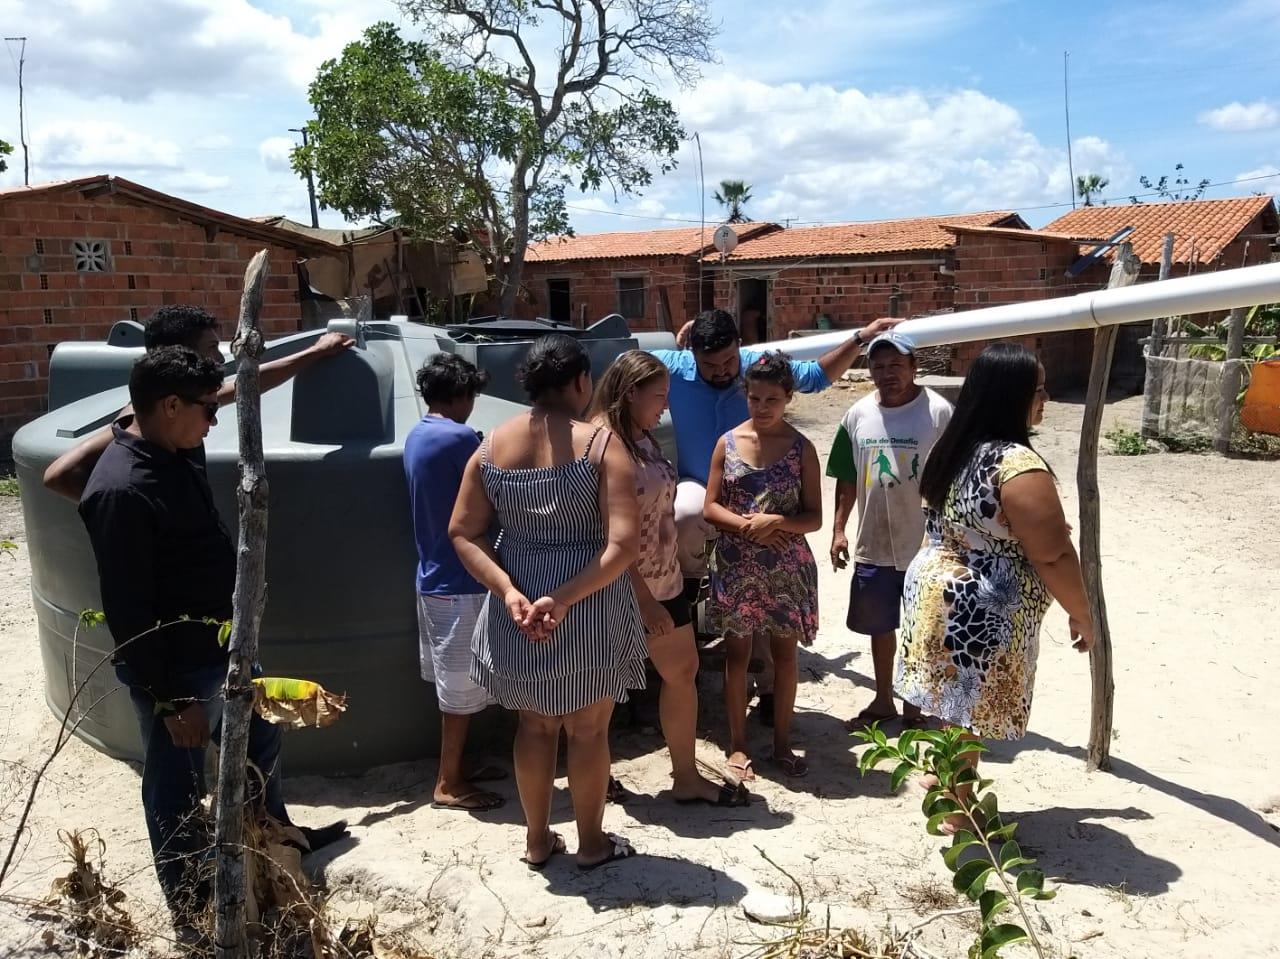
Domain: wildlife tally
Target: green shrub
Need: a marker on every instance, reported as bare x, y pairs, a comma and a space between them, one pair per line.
1126, 442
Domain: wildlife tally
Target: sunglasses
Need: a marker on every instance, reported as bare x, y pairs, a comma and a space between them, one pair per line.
210, 409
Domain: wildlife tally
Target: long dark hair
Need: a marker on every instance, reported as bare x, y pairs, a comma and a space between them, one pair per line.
994, 404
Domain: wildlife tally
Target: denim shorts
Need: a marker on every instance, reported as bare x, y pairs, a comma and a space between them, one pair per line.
875, 599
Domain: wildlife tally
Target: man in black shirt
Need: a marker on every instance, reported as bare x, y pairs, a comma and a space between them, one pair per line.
166, 570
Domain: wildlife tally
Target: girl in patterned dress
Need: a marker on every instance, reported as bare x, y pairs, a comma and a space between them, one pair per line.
764, 493
997, 551
629, 401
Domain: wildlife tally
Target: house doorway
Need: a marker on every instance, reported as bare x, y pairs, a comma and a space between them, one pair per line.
753, 310
559, 302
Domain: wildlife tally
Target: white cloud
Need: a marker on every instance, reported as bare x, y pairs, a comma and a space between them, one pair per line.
1237, 117
101, 146
274, 153
819, 152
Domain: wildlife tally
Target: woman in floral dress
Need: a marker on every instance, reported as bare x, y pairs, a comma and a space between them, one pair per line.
997, 551
764, 493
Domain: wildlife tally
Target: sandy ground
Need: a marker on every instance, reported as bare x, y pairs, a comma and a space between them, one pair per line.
1174, 853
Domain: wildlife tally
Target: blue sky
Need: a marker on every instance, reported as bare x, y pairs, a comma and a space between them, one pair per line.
834, 110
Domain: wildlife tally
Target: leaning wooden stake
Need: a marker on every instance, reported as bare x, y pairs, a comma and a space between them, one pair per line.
230, 940
1123, 273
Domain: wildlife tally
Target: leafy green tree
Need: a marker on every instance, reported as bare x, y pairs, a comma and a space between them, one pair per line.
1177, 191
1088, 184
514, 130
5, 150
733, 195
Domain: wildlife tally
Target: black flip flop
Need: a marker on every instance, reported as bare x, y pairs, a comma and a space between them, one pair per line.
729, 796
619, 848
617, 793
487, 805
557, 847
866, 718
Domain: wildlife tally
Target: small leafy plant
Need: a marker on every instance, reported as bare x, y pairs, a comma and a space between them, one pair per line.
982, 847
1126, 442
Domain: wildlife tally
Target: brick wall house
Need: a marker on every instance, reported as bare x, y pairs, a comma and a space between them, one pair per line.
651, 277
76, 256
844, 275
994, 266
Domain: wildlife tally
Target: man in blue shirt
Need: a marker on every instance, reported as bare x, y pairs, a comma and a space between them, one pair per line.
706, 401
449, 600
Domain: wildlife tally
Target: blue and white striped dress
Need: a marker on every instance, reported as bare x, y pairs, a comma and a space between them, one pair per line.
550, 524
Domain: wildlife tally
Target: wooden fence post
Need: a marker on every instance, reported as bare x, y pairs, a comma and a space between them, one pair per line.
230, 940
1123, 273
1154, 383
1229, 384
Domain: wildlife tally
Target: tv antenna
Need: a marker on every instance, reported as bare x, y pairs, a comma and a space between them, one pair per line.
22, 116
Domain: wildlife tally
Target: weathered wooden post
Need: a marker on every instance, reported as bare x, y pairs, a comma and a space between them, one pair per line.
230, 940
1153, 386
1123, 273
1229, 384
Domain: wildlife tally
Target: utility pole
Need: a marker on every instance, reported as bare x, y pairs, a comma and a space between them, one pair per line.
1066, 108
311, 183
22, 114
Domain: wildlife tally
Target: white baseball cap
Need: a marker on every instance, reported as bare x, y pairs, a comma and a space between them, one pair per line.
899, 341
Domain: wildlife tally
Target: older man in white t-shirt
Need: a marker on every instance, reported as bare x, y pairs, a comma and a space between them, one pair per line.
877, 458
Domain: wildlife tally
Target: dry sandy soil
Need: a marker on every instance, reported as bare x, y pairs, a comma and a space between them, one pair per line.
1174, 853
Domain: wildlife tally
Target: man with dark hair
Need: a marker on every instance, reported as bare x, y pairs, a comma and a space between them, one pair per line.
197, 330
449, 599
707, 401
876, 459
166, 572
183, 325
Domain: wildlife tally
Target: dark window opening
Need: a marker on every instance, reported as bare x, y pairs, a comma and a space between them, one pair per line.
128, 248
133, 282
39, 246
559, 302
631, 297
44, 281
48, 316
133, 312
708, 292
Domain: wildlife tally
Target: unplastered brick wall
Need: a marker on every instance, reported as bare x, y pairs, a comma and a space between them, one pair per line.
70, 267
850, 295
994, 270
593, 289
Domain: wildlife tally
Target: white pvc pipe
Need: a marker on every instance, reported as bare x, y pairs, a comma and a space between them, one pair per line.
1203, 293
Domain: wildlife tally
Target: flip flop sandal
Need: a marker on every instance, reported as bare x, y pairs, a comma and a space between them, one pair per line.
793, 766
747, 774
557, 847
866, 718
728, 796
619, 849
487, 801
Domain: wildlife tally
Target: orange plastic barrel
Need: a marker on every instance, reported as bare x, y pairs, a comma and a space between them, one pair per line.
1261, 410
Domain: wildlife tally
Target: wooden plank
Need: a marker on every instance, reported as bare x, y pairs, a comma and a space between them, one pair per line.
1229, 384
1123, 273
247, 603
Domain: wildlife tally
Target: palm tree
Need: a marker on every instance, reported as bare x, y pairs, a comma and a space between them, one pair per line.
732, 195
1088, 184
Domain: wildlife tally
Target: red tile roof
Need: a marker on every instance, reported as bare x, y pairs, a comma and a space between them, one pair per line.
93, 186
1012, 233
1201, 228
864, 239
687, 241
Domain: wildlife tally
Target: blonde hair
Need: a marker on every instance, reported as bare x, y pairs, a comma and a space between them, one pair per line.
611, 403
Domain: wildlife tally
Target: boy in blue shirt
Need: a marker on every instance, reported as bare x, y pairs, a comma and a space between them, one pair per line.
449, 600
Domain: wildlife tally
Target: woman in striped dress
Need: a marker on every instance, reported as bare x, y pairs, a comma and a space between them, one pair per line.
561, 639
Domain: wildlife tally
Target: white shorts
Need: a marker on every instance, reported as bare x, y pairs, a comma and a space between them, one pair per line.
445, 627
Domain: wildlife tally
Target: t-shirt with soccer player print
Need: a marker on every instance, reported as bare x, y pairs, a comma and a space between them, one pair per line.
882, 451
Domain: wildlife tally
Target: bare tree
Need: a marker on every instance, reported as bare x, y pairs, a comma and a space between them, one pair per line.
594, 115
